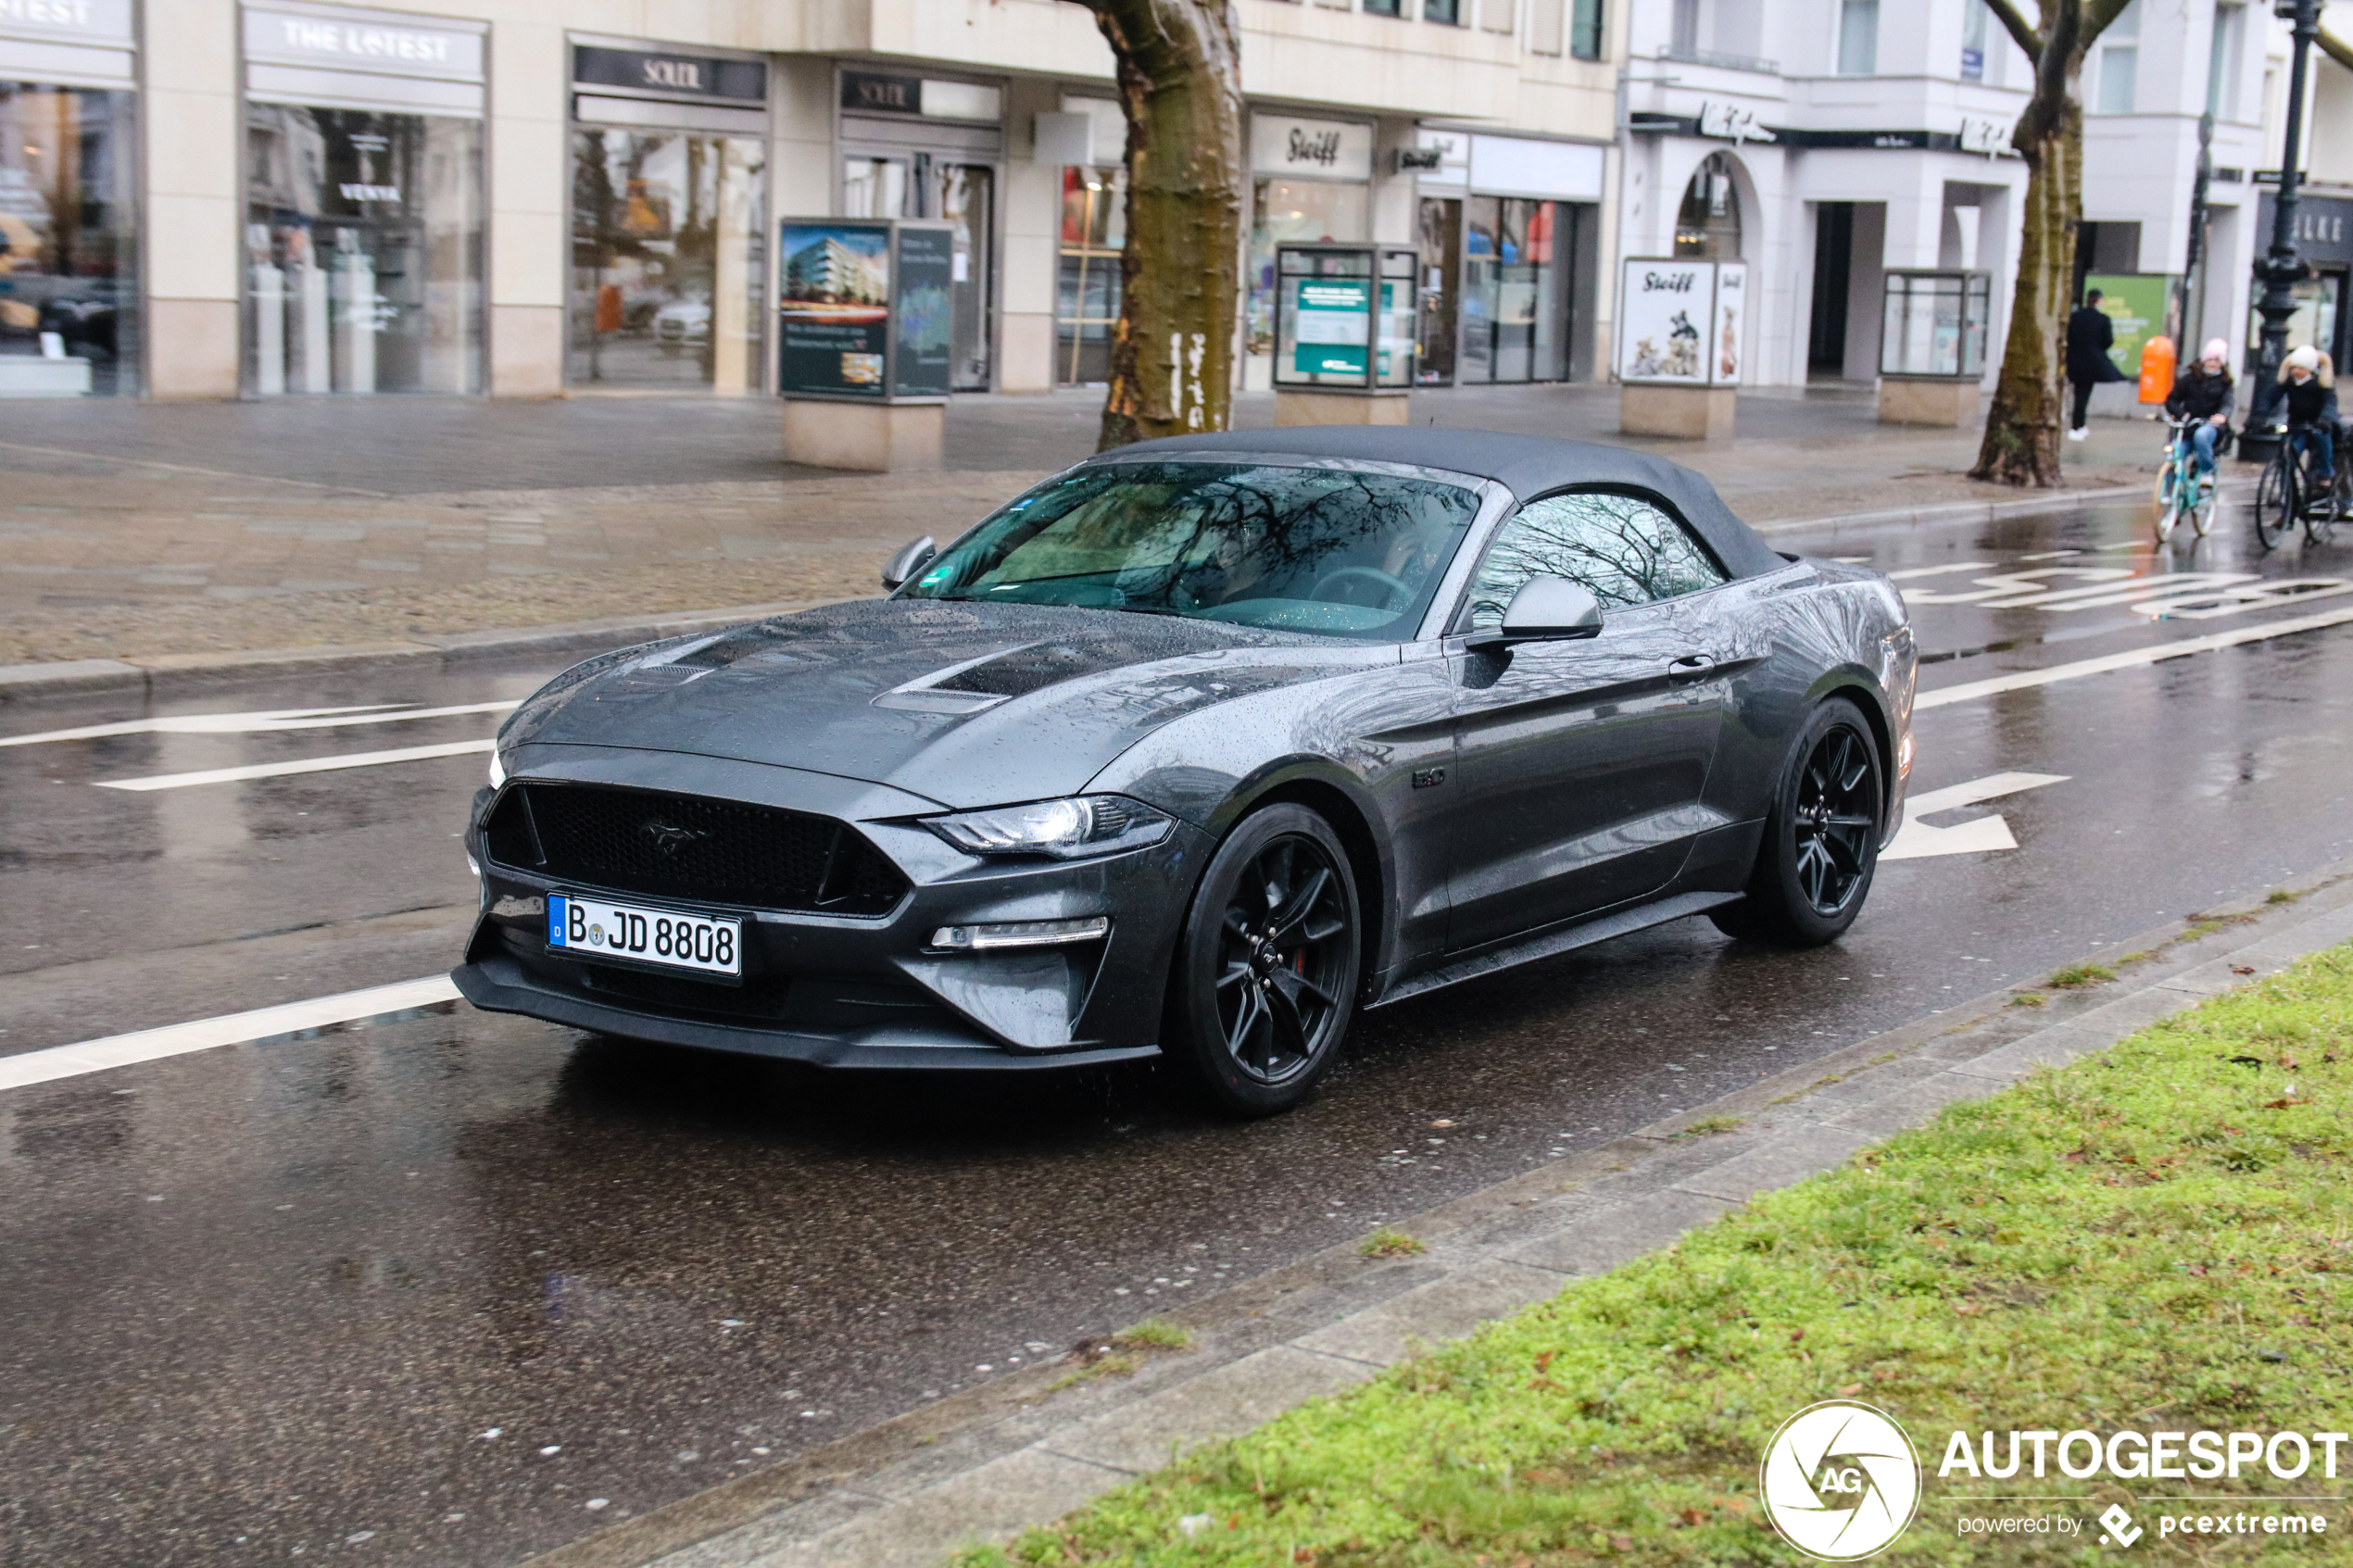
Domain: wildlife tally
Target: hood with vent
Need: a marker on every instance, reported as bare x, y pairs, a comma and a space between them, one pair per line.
965, 704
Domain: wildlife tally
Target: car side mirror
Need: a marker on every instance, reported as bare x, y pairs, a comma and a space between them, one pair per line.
911, 559
1546, 610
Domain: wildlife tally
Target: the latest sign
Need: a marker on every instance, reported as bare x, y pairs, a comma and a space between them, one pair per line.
289, 39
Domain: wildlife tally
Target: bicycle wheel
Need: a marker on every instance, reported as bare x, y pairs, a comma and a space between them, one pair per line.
2322, 504
2169, 499
2207, 501
2275, 501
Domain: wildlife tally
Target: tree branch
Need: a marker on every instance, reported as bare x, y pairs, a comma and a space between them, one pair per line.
2335, 48
2097, 14
2017, 27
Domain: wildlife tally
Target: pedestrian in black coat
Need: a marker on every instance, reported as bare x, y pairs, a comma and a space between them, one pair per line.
2090, 334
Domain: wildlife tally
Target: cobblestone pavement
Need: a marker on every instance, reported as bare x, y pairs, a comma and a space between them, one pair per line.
138, 529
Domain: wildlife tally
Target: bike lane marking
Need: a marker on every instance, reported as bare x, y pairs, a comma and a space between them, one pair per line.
1944, 696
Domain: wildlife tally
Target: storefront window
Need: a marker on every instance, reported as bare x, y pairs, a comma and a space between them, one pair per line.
1291, 209
1708, 223
363, 251
668, 260
68, 266
1087, 298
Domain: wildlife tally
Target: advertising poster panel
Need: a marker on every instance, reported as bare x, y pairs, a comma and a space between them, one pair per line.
922, 311
833, 310
1667, 311
1334, 316
1731, 320
2136, 302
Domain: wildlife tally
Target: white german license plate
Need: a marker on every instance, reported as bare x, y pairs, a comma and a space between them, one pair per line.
594, 928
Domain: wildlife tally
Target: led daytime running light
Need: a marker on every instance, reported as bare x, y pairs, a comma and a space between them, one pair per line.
1022, 934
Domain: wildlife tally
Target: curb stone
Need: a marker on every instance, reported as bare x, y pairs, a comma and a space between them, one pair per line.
174, 675
989, 1462
184, 674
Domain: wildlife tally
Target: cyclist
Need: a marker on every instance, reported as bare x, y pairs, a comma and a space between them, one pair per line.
2205, 392
2307, 401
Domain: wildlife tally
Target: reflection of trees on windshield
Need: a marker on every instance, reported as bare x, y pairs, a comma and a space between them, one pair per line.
1625, 550
1317, 550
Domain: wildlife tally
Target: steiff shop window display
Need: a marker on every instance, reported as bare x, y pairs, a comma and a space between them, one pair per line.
69, 319
1682, 325
669, 227
1311, 181
363, 203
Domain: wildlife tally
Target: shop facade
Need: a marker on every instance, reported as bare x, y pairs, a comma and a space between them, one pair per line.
668, 285
1510, 238
70, 306
364, 210
271, 198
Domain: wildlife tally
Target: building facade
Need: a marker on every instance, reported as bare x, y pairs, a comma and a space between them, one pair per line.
1829, 143
266, 199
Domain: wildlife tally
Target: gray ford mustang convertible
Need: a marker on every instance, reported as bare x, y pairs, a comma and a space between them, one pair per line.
1192, 751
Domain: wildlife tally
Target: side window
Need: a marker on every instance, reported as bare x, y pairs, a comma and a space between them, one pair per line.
1622, 547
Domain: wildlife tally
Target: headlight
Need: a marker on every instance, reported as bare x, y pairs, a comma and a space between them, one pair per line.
1068, 829
498, 769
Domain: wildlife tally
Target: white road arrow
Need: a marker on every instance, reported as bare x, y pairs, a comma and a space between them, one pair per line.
1917, 840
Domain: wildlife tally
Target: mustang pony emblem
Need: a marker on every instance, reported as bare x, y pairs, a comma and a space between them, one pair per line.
668, 837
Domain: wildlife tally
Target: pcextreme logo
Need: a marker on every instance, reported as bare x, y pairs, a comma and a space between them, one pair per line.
1840, 1480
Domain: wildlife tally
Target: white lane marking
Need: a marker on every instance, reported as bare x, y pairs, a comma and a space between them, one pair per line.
262, 1024
1917, 840
2270, 591
1909, 574
307, 765
1944, 696
265, 720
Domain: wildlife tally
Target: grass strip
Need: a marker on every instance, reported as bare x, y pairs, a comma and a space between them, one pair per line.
2155, 1236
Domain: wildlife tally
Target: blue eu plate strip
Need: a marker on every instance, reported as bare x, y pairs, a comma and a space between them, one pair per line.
555, 921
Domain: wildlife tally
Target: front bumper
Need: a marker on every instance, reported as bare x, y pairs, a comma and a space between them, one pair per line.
842, 991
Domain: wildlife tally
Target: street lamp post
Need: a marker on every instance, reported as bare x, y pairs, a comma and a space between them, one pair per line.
2281, 268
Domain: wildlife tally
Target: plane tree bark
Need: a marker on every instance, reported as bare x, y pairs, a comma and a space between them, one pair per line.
1172, 355
2022, 442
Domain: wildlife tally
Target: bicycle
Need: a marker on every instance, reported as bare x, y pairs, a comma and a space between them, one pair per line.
2179, 493
2288, 493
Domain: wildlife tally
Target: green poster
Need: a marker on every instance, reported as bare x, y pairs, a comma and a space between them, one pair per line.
1332, 326
2136, 302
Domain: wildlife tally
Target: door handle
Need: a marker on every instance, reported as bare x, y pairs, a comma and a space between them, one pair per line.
1693, 667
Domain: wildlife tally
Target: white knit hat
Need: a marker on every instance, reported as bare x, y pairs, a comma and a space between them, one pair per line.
2305, 358
2216, 348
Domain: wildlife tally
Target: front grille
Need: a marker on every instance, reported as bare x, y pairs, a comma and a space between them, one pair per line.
690, 847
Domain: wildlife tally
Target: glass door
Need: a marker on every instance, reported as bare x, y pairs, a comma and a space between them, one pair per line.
1442, 256
965, 194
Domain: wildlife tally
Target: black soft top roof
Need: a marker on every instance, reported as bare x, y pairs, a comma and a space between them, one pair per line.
1528, 466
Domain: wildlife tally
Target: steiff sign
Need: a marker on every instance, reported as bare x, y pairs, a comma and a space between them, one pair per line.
1321, 149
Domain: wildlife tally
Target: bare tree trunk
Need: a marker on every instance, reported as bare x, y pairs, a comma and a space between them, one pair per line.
1172, 359
2022, 442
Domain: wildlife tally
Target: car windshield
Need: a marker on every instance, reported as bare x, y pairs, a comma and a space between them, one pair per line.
1341, 552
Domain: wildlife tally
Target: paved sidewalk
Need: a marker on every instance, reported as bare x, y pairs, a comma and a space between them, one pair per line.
1013, 1453
143, 530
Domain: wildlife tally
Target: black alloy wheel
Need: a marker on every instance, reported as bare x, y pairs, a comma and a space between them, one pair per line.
1266, 976
1837, 814
1821, 836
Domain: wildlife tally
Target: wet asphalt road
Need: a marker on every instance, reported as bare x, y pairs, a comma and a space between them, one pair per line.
427, 1291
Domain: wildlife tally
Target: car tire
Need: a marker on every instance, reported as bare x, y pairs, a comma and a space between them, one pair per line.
1820, 848
1264, 981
